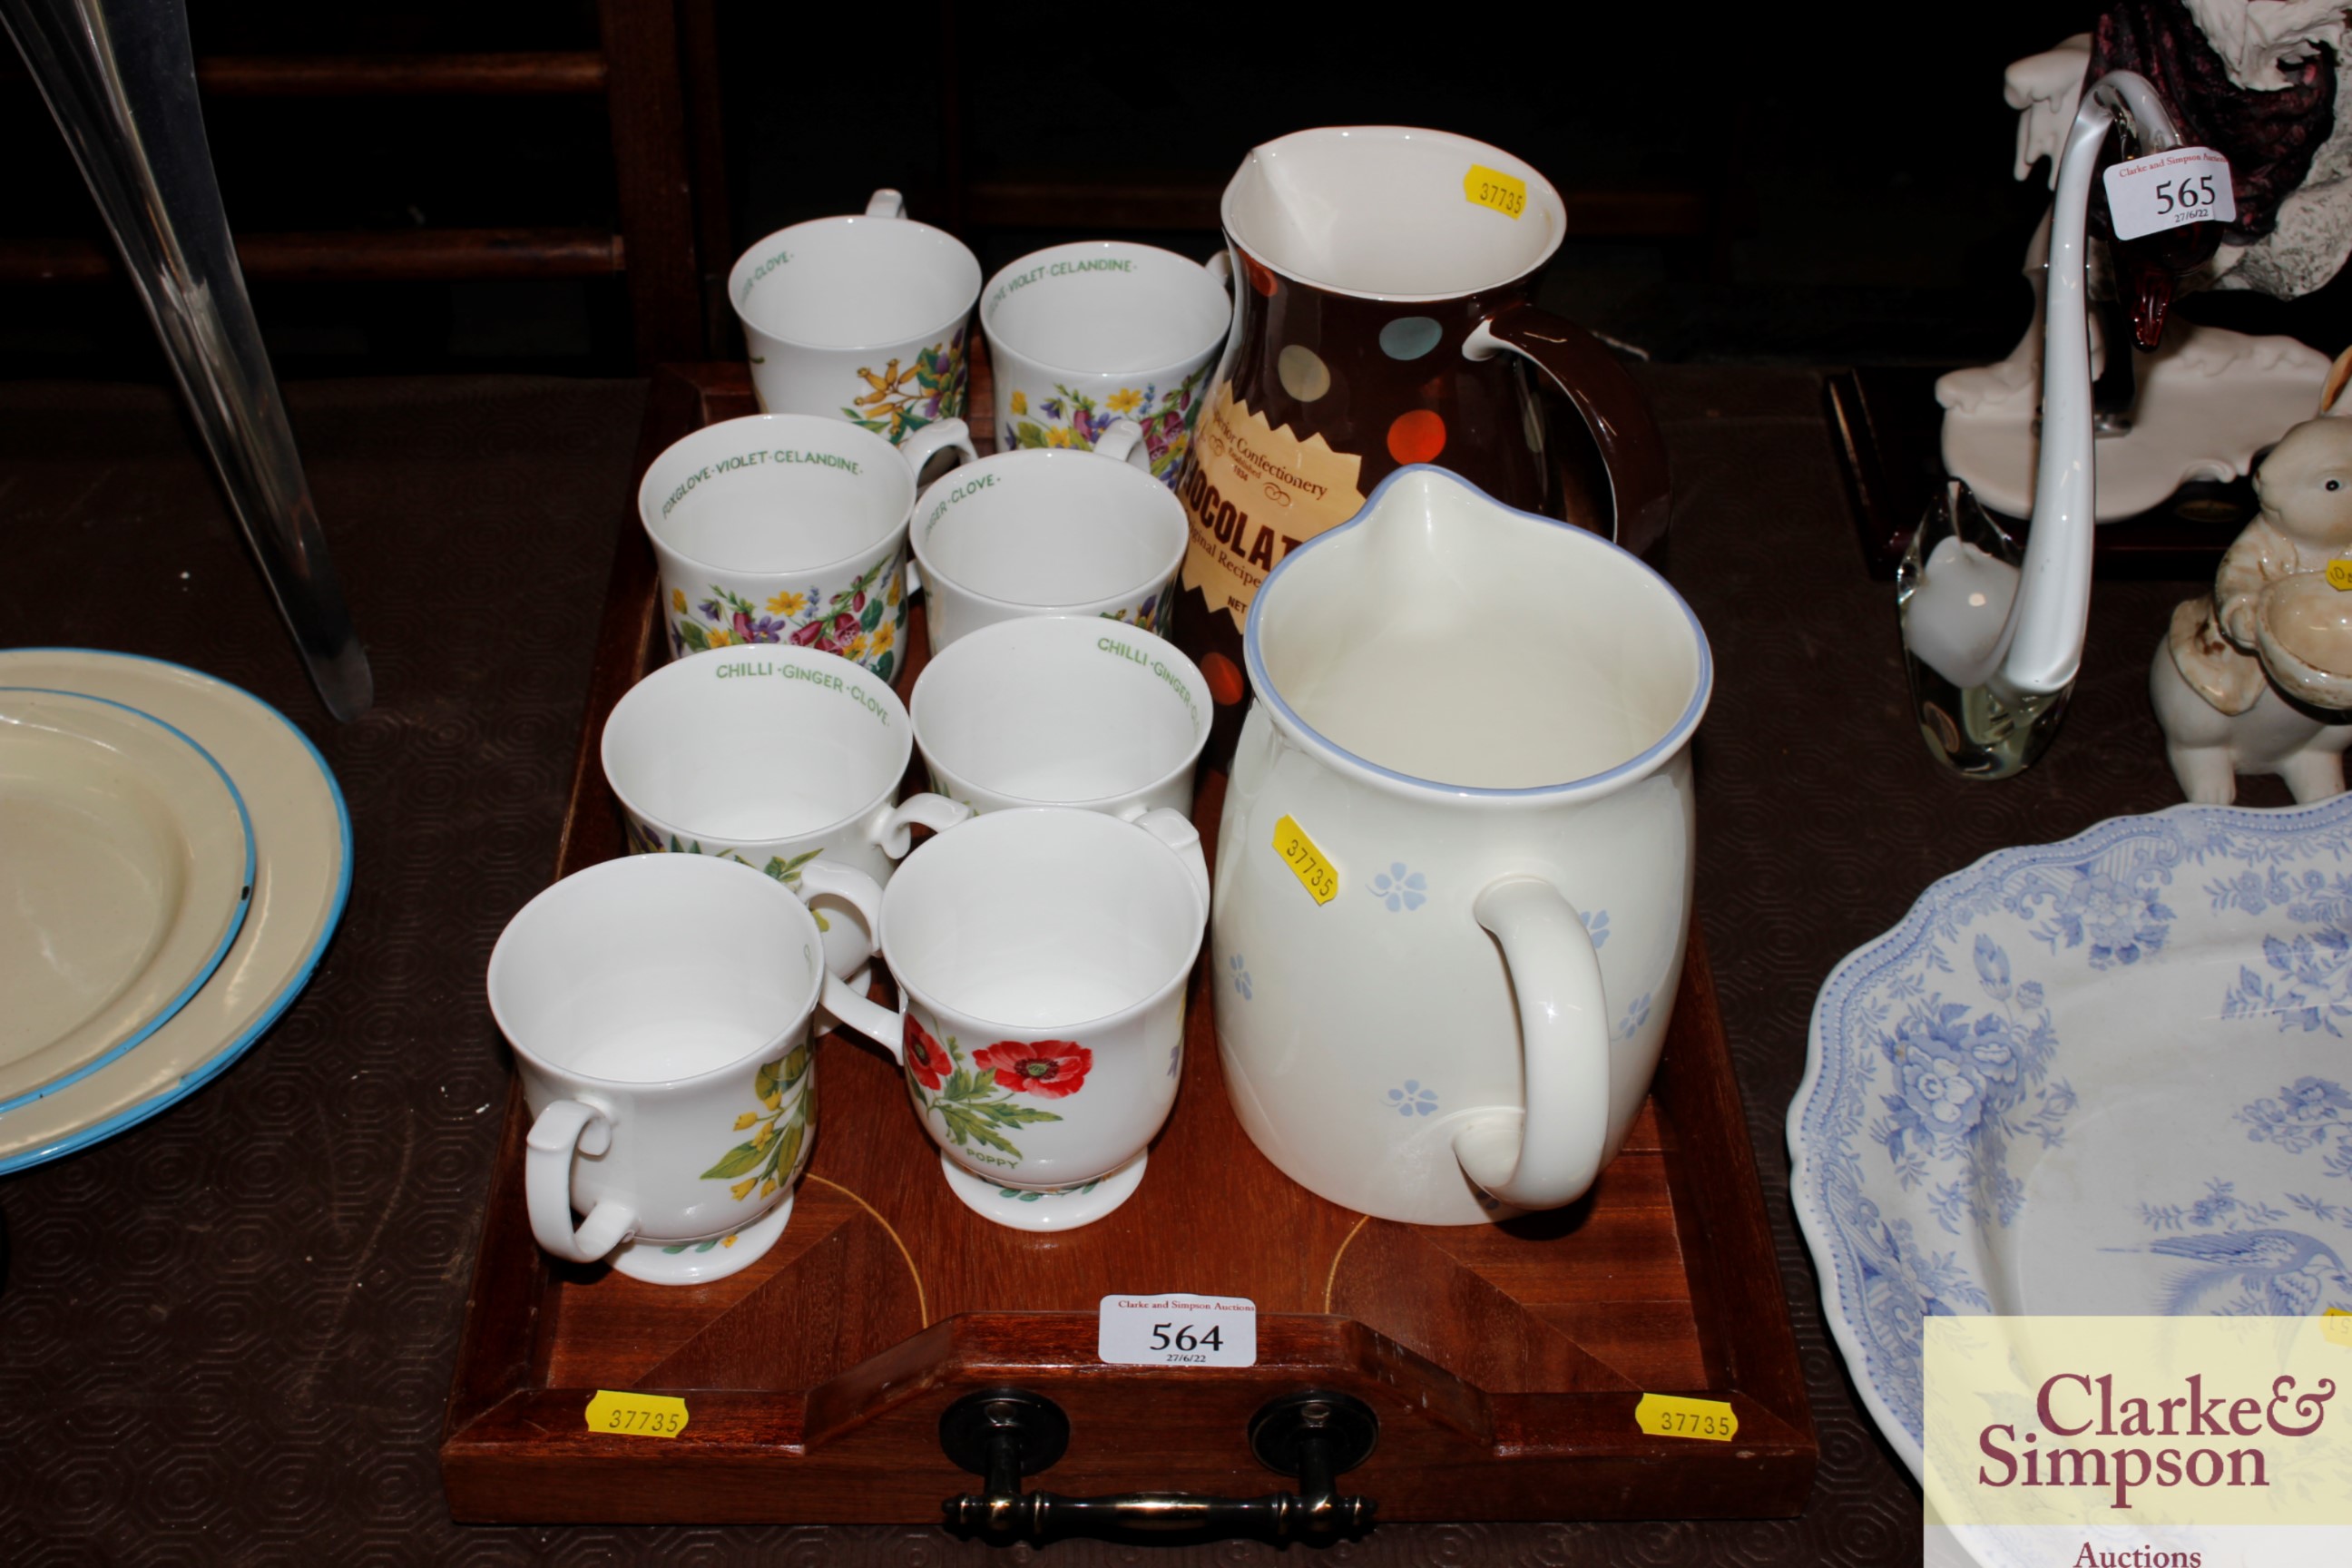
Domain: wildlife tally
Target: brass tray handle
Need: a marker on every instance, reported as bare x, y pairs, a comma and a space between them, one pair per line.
1004, 1434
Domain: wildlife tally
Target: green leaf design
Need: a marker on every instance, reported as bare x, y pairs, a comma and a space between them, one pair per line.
1028, 433
966, 1127
690, 631
1006, 1114
873, 615
787, 1152
740, 1161
881, 672
789, 871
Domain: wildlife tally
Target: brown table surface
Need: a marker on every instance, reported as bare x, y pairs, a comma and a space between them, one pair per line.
226, 1334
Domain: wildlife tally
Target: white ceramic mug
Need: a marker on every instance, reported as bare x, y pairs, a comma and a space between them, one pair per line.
786, 528
1048, 533
860, 318
1042, 955
1061, 711
785, 759
1081, 335
659, 1008
1453, 871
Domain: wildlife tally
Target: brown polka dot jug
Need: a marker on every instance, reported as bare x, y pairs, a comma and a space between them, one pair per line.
1382, 317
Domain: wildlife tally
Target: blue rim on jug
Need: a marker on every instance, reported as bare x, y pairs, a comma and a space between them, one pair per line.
1676, 735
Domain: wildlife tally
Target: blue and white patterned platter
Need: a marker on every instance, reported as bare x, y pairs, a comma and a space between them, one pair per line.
2110, 1075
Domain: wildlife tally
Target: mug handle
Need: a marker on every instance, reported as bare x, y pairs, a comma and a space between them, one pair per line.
1552, 1157
1123, 443
927, 443
936, 812
1631, 450
869, 1018
1174, 829
547, 1184
851, 887
885, 203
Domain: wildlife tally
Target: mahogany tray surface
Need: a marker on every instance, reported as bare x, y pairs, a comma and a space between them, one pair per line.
1504, 1361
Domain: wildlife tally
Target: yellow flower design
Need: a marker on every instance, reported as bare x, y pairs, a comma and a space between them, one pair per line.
677, 600
738, 1191
787, 603
1020, 401
719, 639
855, 649
897, 588
881, 644
1057, 436
1126, 400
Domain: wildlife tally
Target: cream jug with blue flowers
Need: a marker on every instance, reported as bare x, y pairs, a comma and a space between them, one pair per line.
1453, 873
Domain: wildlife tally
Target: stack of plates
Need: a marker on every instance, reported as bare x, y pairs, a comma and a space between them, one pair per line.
2105, 1076
173, 856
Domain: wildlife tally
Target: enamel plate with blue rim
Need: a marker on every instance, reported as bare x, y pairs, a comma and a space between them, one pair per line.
197, 921
2112, 1075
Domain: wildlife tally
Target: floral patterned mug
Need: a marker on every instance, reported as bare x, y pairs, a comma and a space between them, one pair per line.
1061, 711
1081, 335
813, 748
1048, 533
1042, 955
860, 318
787, 527
660, 1009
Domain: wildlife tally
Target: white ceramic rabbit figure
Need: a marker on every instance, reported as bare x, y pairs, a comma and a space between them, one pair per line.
2254, 678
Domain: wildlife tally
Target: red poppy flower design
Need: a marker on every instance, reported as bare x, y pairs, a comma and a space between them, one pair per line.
925, 1059
1048, 1068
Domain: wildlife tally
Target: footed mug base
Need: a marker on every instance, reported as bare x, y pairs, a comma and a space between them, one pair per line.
1019, 1210
699, 1262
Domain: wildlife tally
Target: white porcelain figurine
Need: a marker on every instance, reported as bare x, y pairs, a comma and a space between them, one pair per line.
2255, 677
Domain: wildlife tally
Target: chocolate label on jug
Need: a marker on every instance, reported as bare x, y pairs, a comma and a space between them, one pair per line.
1256, 494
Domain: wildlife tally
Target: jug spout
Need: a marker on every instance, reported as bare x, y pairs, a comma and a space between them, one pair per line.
1444, 641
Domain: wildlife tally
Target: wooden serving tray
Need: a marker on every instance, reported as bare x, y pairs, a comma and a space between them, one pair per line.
1504, 1361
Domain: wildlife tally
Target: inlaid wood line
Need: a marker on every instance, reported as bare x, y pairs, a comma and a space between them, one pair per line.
922, 1301
1331, 1280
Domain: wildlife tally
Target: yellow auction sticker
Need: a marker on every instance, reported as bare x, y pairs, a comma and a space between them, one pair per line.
2337, 1324
1664, 1415
1307, 863
1485, 187
637, 1415
2339, 576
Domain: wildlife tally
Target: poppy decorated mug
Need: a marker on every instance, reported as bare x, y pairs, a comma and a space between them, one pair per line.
785, 759
1082, 335
862, 318
1042, 956
660, 1009
1048, 533
786, 528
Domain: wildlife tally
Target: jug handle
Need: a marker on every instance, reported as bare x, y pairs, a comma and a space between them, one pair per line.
1587, 374
1550, 1159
